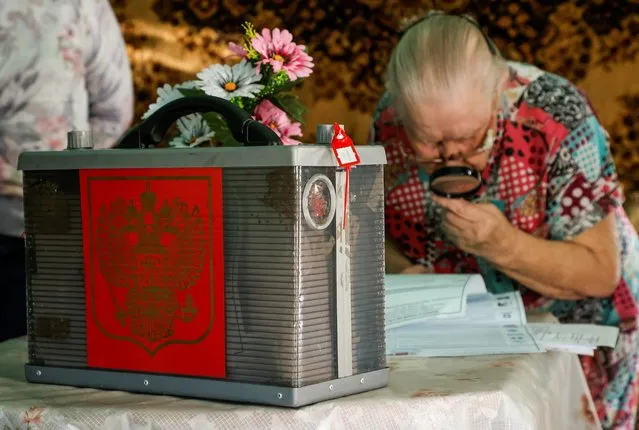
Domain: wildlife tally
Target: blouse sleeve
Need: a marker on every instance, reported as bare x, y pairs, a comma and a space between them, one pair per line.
109, 79
583, 186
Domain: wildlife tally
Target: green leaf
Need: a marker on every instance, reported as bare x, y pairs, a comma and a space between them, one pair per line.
191, 92
246, 103
220, 127
289, 85
267, 72
290, 104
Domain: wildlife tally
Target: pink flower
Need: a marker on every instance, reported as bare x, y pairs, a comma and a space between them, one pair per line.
278, 50
269, 114
237, 49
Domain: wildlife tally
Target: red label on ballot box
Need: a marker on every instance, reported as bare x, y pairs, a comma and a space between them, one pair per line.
347, 157
343, 148
154, 270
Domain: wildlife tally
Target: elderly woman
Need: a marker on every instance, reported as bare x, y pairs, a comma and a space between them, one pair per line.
548, 218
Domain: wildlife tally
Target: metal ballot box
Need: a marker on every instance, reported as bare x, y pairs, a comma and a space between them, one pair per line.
218, 273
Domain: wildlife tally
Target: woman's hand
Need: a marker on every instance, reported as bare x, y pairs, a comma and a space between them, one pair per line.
587, 265
477, 228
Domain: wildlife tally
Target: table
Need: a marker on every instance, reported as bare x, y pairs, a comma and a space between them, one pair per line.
536, 391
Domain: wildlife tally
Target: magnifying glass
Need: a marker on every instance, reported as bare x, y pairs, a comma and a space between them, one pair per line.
455, 182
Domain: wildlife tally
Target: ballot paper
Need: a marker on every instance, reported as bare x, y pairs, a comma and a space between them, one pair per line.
454, 315
489, 309
460, 340
581, 339
480, 323
413, 298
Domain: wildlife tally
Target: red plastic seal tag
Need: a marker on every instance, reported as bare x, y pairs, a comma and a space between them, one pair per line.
346, 156
343, 148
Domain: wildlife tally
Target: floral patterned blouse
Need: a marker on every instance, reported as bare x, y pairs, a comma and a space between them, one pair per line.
552, 174
63, 65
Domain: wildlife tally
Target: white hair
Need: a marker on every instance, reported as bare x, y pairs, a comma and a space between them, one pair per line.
440, 58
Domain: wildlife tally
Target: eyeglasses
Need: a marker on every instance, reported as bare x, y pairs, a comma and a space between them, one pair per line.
486, 143
491, 45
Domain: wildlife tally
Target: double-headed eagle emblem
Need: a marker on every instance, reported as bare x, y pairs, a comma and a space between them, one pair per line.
154, 251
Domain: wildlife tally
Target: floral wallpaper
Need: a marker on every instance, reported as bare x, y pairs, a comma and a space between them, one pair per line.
589, 42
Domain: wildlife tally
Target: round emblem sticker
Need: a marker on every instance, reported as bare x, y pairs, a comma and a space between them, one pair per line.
318, 202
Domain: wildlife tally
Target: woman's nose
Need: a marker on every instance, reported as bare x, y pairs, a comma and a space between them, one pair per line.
451, 152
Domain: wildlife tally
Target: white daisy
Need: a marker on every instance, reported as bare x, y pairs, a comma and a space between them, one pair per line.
167, 93
194, 130
240, 80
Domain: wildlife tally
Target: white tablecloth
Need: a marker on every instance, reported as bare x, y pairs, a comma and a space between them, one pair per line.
538, 391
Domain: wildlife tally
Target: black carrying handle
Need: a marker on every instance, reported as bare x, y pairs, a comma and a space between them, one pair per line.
244, 129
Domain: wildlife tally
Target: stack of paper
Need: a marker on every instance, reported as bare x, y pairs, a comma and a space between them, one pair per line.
454, 315
413, 298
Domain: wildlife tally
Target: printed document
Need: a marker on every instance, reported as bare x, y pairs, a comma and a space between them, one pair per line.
578, 338
412, 298
454, 315
460, 340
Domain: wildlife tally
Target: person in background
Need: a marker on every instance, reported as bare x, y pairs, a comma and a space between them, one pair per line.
548, 219
63, 66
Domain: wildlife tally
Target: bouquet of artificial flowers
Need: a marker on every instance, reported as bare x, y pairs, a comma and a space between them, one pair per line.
271, 64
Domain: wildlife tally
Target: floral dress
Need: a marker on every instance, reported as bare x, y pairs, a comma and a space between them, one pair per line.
63, 66
552, 175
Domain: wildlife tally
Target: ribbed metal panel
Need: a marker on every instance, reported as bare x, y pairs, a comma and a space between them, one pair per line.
316, 313
260, 207
367, 268
55, 269
279, 275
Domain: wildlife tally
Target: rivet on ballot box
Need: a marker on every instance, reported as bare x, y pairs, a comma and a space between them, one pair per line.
216, 273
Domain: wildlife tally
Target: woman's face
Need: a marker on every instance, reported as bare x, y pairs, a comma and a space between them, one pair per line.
451, 133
